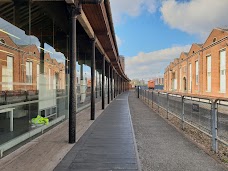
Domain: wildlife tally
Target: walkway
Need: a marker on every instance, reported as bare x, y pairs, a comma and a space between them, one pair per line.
161, 147
109, 144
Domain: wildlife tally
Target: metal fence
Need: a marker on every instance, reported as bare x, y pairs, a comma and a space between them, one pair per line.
207, 115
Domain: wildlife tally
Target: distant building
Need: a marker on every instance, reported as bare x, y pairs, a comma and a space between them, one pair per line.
202, 70
151, 84
157, 83
136, 82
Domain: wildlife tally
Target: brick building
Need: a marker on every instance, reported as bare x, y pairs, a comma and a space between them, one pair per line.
20, 67
202, 70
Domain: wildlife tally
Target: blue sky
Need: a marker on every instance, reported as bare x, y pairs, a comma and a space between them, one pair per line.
151, 33
147, 32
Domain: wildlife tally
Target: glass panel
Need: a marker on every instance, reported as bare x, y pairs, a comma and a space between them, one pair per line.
33, 78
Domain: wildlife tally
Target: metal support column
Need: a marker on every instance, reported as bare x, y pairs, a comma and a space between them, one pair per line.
214, 126
103, 79
72, 93
100, 84
111, 83
152, 98
167, 109
96, 82
117, 90
138, 91
42, 58
182, 115
92, 112
118, 84
114, 76
108, 83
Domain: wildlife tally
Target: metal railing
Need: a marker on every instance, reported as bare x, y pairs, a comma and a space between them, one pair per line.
207, 115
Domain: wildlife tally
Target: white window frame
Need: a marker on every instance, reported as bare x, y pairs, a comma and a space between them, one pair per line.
197, 72
190, 76
222, 69
208, 73
180, 88
49, 78
7, 74
29, 72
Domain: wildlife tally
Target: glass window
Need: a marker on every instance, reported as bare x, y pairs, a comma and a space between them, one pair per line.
209, 73
223, 71
28, 72
197, 72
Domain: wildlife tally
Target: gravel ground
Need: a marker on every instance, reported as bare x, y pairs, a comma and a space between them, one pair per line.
161, 147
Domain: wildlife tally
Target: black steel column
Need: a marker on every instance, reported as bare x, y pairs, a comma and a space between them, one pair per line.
42, 57
66, 77
103, 79
108, 83
92, 112
117, 84
72, 93
114, 76
100, 83
121, 85
81, 73
111, 83
96, 84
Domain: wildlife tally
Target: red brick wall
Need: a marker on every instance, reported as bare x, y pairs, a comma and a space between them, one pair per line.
198, 52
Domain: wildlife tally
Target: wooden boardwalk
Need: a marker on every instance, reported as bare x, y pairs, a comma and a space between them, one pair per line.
109, 144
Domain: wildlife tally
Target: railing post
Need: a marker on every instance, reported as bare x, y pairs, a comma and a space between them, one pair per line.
145, 96
214, 127
138, 91
158, 102
182, 115
167, 109
148, 97
152, 99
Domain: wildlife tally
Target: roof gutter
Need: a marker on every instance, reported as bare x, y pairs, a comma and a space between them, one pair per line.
84, 1
91, 1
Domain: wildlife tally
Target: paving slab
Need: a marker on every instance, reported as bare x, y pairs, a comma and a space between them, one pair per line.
109, 144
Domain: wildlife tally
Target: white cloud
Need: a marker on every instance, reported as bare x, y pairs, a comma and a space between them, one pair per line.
150, 65
196, 16
119, 41
131, 7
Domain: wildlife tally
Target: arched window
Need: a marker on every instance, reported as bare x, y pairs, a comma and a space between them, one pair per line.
214, 39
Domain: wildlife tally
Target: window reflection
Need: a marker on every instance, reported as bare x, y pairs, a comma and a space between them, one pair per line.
30, 86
